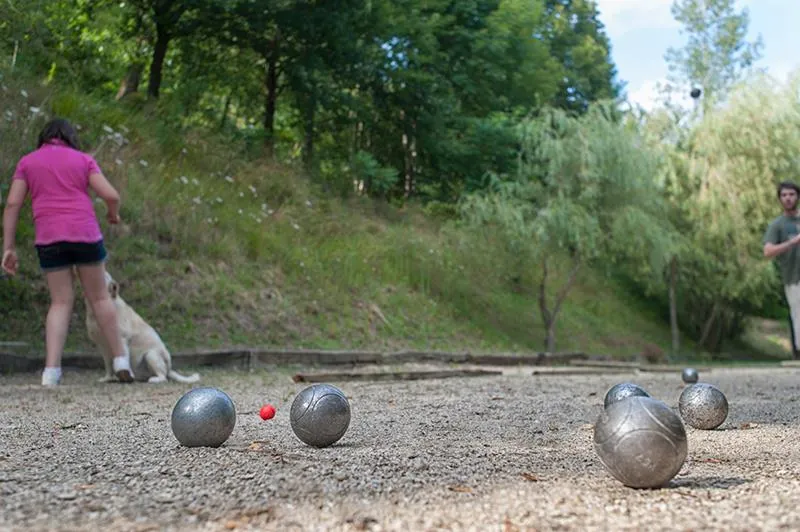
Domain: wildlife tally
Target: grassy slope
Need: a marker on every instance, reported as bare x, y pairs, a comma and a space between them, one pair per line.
216, 251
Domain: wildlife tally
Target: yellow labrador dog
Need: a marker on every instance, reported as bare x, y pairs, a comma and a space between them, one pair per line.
150, 358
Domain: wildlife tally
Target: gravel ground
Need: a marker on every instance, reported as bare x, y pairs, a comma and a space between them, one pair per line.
510, 452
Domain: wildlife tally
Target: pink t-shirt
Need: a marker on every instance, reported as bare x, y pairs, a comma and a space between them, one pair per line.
58, 182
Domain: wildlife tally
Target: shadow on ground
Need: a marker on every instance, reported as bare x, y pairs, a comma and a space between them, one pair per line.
720, 483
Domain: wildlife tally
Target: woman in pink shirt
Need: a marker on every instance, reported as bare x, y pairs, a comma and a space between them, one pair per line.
58, 176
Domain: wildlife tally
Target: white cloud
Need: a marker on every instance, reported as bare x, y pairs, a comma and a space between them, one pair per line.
780, 70
620, 15
614, 7
646, 95
650, 94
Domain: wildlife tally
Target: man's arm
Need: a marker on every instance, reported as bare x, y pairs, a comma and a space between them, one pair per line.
773, 250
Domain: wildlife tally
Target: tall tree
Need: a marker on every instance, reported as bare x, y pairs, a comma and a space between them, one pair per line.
310, 48
449, 74
578, 41
716, 56
739, 154
170, 19
584, 191
717, 53
256, 26
330, 49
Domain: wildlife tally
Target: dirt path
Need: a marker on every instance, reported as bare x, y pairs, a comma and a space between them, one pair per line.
512, 452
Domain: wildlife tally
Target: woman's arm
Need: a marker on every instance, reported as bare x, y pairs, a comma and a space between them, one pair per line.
16, 196
19, 189
107, 193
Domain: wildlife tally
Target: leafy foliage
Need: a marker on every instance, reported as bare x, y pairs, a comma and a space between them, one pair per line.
432, 89
725, 183
503, 111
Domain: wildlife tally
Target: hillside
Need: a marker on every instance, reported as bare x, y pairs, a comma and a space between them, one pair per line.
220, 248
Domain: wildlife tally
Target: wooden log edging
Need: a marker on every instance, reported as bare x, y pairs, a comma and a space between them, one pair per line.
391, 375
245, 358
635, 366
354, 358
12, 363
560, 371
250, 358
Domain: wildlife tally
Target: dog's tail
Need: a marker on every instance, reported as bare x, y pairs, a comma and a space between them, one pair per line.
177, 377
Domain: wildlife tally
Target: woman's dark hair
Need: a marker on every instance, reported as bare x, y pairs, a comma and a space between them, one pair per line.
60, 129
791, 185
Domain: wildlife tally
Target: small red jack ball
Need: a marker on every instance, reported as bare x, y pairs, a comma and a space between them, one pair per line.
267, 412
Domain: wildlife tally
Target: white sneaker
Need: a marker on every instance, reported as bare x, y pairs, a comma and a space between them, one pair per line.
51, 376
122, 368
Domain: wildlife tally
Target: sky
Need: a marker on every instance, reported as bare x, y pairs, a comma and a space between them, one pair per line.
641, 31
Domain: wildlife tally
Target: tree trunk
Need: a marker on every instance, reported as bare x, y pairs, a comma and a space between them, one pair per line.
408, 165
549, 316
14, 55
130, 83
358, 130
708, 325
719, 335
550, 339
225, 110
308, 141
157, 63
272, 98
409, 160
673, 307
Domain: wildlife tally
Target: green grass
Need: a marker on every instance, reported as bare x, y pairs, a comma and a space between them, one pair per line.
219, 249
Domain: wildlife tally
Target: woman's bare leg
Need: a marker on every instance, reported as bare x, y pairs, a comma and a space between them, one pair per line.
62, 297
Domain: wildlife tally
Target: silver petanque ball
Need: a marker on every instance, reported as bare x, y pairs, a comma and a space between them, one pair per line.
703, 406
641, 442
320, 415
689, 375
621, 391
203, 417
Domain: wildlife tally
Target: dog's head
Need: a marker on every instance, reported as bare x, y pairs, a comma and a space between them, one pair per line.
112, 285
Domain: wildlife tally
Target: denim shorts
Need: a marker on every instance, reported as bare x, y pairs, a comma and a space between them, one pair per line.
62, 255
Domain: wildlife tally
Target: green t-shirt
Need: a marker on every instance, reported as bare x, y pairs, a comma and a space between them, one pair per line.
781, 229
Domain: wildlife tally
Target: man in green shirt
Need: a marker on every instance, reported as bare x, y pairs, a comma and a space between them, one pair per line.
781, 243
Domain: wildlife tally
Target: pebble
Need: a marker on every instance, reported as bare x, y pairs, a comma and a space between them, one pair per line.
67, 495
